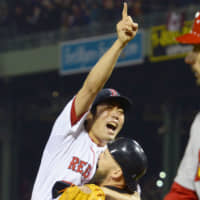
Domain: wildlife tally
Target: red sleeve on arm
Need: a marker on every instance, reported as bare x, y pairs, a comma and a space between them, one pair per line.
74, 118
179, 192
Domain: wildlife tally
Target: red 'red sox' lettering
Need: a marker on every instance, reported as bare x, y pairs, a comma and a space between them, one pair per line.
78, 165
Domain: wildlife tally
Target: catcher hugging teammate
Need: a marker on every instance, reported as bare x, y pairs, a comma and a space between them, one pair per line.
91, 119
119, 168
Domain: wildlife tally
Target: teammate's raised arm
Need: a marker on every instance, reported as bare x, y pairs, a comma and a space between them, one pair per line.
126, 30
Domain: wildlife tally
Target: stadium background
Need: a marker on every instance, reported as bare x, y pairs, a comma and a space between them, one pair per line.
33, 91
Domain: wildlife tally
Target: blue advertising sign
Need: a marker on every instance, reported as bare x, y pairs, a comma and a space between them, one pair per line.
81, 55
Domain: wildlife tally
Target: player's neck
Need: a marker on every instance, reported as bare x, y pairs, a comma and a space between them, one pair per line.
96, 140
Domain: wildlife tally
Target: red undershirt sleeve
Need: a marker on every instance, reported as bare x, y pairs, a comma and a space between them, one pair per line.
178, 192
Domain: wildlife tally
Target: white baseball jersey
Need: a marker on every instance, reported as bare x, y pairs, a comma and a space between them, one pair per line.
188, 174
69, 155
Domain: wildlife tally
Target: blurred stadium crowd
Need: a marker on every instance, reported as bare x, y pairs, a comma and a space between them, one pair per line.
31, 16
44, 15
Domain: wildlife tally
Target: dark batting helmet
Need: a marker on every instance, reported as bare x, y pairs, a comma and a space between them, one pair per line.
131, 158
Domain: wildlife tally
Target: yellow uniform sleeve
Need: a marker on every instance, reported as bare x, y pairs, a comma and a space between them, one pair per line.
86, 192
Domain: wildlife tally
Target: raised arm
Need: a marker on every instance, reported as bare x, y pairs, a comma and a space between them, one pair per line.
96, 79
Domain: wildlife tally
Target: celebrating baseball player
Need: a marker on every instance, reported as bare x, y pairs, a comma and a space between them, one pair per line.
186, 184
115, 170
90, 119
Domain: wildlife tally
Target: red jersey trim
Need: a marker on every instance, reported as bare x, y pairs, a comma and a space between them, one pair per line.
179, 192
74, 118
93, 161
197, 178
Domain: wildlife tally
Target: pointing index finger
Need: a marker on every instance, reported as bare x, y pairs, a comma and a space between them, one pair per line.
124, 12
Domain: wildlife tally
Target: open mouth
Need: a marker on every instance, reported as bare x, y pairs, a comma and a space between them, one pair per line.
111, 126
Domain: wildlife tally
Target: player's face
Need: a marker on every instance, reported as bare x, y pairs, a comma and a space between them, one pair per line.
193, 59
106, 165
107, 122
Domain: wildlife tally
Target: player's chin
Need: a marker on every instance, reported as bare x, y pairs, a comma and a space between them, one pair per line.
111, 137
